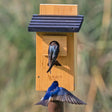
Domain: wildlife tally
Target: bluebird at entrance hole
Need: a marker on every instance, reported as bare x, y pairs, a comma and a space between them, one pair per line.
53, 52
56, 93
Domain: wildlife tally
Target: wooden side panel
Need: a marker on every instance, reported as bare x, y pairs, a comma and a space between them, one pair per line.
64, 74
62, 40
58, 9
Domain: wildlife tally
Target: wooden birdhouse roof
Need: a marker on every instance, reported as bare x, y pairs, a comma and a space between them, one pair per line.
55, 23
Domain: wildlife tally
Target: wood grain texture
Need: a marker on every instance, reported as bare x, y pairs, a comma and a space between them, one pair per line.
58, 9
62, 40
66, 73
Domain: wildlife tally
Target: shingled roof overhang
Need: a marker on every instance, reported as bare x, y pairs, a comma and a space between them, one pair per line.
54, 23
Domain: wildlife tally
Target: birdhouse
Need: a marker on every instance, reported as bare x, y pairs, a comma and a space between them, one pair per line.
56, 22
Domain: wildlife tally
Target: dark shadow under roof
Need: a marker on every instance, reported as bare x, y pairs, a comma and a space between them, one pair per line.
54, 23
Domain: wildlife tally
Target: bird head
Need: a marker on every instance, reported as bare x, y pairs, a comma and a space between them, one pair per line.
53, 86
54, 42
55, 83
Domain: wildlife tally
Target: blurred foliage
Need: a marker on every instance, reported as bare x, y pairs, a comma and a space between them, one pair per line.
17, 56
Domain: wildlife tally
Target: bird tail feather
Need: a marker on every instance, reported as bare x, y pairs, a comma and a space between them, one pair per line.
57, 63
54, 63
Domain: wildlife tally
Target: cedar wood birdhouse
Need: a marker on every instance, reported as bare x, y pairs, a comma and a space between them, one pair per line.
56, 22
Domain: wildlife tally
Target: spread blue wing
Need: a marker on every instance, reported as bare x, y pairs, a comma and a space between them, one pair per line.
65, 96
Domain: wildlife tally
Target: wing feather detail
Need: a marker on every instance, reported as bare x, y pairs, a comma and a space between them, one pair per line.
65, 96
42, 102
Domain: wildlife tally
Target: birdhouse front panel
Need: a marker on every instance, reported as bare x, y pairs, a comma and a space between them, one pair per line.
64, 74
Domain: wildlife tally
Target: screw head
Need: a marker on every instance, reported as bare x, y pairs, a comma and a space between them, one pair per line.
38, 76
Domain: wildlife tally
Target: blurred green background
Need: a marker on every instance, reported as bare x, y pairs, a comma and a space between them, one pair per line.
17, 56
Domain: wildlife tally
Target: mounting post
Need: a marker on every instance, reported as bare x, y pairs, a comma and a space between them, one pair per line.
55, 106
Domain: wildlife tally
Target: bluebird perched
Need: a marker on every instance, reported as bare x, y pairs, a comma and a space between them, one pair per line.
56, 93
53, 52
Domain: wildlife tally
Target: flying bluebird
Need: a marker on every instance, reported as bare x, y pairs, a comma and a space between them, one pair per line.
56, 93
53, 52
